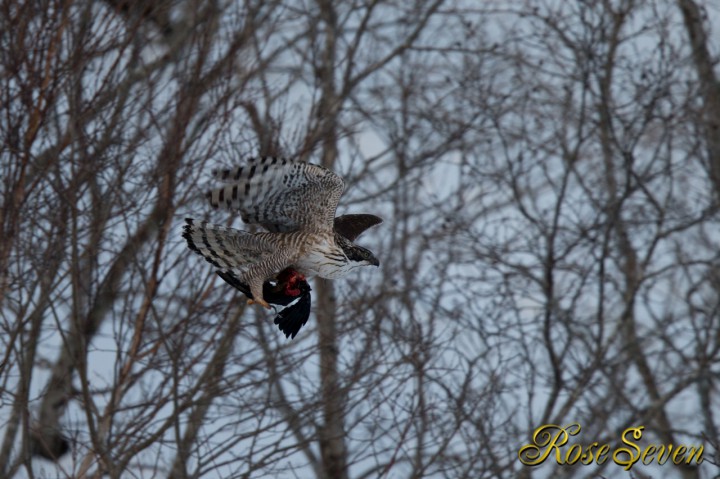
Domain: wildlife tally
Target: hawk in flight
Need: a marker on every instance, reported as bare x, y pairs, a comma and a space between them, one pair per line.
295, 203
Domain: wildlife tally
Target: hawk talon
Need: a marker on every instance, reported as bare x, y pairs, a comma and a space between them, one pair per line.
261, 302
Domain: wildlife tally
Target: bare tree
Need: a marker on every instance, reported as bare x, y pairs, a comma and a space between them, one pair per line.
547, 172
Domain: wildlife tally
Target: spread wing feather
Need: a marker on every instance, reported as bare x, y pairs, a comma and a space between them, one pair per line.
223, 247
352, 226
280, 194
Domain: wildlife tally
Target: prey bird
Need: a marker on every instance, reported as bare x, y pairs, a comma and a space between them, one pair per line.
289, 289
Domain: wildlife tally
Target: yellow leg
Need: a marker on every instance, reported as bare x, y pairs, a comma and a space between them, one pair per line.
260, 301
256, 289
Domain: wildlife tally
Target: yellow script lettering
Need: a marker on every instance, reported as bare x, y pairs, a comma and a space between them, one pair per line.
602, 454
551, 438
546, 439
647, 456
697, 453
631, 457
680, 451
575, 449
662, 457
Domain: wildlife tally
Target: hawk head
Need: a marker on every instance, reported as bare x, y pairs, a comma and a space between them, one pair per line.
357, 255
349, 227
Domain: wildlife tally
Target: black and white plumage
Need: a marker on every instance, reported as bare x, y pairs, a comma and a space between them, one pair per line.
290, 289
295, 202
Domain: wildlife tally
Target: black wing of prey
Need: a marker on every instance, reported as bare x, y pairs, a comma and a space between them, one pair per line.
289, 319
288, 289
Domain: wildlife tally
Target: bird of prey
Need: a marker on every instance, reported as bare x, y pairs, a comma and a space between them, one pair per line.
292, 287
295, 203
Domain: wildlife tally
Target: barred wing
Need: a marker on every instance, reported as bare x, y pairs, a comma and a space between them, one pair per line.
223, 247
280, 194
